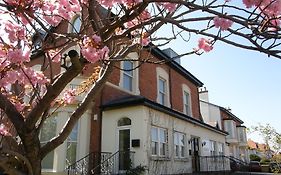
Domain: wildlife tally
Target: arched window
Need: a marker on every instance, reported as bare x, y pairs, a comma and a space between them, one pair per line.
76, 24
124, 121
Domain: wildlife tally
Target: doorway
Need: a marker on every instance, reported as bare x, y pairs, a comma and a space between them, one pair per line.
124, 150
195, 153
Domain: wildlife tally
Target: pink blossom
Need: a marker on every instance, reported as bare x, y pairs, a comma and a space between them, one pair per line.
92, 50
18, 56
15, 32
205, 44
145, 15
171, 7
31, 76
222, 23
55, 56
4, 131
69, 96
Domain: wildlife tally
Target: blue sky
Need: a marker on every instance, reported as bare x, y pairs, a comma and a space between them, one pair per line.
248, 82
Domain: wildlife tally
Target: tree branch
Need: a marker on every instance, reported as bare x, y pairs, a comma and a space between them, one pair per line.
12, 113
54, 90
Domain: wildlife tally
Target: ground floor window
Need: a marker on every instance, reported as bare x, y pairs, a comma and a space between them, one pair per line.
220, 149
179, 145
159, 141
212, 148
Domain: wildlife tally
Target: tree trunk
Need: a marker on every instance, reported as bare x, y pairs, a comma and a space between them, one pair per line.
32, 148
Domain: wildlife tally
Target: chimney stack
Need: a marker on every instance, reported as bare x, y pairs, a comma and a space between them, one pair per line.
203, 94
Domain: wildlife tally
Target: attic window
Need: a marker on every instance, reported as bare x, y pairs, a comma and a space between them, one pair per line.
76, 24
124, 122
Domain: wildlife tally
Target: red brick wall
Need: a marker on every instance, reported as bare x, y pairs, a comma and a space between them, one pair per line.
226, 116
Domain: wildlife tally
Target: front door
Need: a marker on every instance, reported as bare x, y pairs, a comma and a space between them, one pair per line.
124, 150
195, 154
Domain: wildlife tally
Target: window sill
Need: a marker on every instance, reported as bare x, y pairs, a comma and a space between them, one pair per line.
182, 159
159, 158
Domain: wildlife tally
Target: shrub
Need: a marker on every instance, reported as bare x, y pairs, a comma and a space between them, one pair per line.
254, 157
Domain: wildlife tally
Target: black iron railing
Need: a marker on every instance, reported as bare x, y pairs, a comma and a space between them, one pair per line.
85, 164
238, 164
221, 163
118, 163
103, 163
214, 163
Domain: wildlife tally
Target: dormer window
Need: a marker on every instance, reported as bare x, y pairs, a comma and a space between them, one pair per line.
76, 24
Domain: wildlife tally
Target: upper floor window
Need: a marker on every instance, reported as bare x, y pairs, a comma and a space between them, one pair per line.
230, 127
179, 145
186, 100
162, 87
162, 90
242, 134
186, 103
76, 24
128, 75
159, 141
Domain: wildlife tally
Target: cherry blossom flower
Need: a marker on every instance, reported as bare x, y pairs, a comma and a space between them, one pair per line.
222, 23
69, 96
205, 44
91, 49
4, 131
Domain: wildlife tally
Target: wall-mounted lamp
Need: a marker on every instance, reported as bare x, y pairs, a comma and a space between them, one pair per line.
203, 143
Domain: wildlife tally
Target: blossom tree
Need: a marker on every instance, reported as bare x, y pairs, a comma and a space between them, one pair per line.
110, 30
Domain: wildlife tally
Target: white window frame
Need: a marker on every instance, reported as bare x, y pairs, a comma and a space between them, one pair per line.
83, 137
160, 142
179, 147
54, 117
187, 105
162, 74
230, 127
135, 77
71, 142
220, 148
71, 25
213, 146
162, 91
129, 74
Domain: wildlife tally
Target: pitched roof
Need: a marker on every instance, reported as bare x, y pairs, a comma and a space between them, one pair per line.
225, 110
160, 54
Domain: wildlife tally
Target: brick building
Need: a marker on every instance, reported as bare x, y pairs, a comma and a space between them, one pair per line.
224, 119
149, 116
